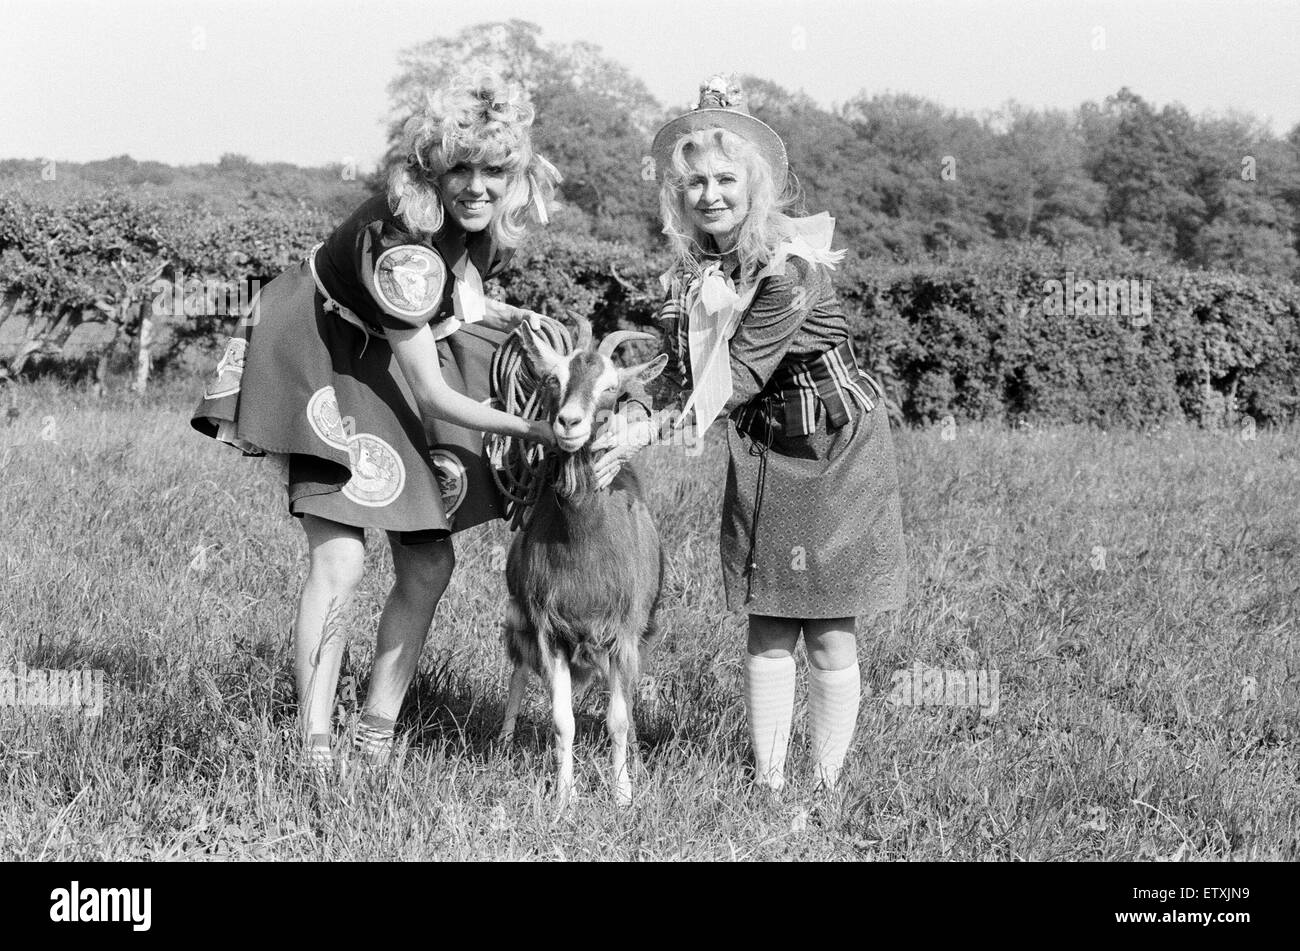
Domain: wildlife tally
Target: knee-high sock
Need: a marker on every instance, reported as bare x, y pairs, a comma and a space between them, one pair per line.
769, 705
833, 697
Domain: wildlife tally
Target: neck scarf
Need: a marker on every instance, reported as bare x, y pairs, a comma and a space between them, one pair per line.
469, 303
711, 306
467, 294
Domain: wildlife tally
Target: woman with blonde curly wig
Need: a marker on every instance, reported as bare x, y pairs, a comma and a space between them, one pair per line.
364, 372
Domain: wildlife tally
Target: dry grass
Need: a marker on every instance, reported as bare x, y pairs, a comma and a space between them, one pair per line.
1124, 731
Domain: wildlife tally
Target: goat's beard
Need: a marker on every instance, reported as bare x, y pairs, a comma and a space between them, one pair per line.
576, 477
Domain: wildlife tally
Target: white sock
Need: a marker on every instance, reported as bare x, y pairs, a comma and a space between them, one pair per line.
769, 706
318, 757
833, 697
374, 739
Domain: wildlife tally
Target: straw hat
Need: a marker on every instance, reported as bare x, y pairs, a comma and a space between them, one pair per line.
722, 106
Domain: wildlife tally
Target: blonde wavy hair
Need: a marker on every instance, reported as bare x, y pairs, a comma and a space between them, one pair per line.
764, 226
476, 118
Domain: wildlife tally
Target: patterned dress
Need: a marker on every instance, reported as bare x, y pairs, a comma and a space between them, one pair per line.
811, 520
312, 379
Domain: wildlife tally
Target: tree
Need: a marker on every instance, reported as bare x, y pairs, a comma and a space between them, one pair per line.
925, 171
1148, 166
1039, 187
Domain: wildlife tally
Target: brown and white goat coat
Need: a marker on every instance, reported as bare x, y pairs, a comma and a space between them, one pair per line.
585, 572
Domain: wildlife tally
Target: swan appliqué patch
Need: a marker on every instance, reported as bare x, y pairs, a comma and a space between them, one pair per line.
230, 370
409, 280
378, 475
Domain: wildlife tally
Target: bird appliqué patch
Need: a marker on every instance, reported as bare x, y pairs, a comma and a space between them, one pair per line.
452, 479
409, 280
230, 370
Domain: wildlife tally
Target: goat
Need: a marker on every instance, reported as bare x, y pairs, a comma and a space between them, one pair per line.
585, 572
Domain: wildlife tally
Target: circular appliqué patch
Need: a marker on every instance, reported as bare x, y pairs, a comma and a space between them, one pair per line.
452, 483
323, 415
378, 475
409, 280
230, 370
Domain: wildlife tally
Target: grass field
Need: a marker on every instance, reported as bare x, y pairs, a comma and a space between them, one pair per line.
1136, 593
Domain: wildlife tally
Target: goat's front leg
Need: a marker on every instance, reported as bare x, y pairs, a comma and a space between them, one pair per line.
562, 718
514, 700
617, 720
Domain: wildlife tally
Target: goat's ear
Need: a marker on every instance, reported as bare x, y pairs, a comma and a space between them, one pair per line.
644, 372
543, 358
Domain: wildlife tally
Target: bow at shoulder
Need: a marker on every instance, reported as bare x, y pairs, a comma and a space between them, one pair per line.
809, 238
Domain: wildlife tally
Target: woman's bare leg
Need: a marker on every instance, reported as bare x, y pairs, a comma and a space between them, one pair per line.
337, 558
832, 643
421, 575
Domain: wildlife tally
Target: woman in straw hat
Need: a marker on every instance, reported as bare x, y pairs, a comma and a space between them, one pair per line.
364, 371
811, 526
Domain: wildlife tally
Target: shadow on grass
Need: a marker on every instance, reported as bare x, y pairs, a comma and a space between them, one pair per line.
444, 707
123, 665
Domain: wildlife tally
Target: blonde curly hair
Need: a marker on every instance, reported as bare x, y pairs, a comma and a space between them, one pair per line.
477, 118
767, 222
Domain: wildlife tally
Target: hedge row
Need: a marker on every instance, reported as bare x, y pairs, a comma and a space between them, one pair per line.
1001, 336
1023, 332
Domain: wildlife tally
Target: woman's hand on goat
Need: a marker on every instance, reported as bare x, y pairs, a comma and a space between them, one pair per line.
623, 440
541, 431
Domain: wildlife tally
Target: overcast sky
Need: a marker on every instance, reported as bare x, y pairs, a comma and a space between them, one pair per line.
185, 82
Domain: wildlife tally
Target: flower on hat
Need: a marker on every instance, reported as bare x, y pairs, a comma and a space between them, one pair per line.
721, 91
721, 105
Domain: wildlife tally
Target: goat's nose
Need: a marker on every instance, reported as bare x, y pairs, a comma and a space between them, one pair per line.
569, 418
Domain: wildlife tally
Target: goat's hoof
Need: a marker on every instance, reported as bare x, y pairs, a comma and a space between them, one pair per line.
623, 797
563, 799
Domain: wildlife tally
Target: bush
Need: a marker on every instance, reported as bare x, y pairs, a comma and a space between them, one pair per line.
984, 335
981, 337
565, 274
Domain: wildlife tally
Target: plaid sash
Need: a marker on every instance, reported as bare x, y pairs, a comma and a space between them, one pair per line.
672, 314
787, 406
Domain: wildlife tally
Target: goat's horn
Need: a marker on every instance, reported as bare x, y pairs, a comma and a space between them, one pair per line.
620, 337
583, 326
